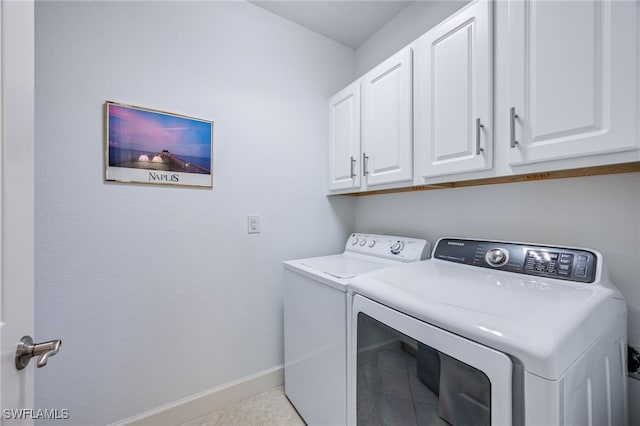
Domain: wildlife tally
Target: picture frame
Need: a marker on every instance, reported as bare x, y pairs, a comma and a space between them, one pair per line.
149, 146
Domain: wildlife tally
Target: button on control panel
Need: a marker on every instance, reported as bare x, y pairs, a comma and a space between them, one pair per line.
396, 247
552, 262
497, 257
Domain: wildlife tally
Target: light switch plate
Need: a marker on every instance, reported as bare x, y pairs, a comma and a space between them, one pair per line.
253, 224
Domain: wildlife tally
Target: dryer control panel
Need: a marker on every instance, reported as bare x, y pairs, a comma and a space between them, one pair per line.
530, 259
404, 249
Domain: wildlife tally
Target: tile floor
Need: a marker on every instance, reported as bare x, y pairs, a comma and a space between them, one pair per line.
265, 409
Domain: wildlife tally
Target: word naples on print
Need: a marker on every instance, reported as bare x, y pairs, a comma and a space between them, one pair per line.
150, 146
163, 177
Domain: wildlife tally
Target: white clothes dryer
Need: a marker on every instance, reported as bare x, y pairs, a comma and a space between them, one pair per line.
315, 320
488, 333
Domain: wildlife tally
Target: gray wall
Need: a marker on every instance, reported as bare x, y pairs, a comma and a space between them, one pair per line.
413, 21
159, 292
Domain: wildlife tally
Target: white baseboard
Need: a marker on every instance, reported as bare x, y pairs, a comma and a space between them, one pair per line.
204, 402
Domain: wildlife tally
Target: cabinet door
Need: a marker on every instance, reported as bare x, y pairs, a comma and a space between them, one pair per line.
344, 139
454, 96
573, 78
387, 146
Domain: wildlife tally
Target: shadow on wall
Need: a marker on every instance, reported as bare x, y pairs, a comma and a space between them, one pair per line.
343, 209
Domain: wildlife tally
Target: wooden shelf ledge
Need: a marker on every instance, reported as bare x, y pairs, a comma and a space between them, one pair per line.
556, 174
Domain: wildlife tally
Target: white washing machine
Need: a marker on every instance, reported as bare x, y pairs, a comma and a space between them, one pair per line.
315, 320
488, 333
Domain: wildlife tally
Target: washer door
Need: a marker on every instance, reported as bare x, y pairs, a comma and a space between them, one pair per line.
406, 372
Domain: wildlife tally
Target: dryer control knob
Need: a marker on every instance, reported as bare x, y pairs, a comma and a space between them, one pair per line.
397, 247
362, 243
497, 257
354, 241
372, 243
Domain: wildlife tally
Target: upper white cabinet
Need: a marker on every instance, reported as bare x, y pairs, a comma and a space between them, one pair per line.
344, 139
387, 137
561, 91
572, 79
454, 94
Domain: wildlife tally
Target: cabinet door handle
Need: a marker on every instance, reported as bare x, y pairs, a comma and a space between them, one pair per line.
353, 167
479, 126
512, 120
365, 164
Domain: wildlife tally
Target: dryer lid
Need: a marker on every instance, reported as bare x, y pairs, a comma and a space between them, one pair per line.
545, 323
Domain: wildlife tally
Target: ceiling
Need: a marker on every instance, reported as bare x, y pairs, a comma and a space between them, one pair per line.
347, 22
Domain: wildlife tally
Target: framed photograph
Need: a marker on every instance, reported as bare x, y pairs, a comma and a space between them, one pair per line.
155, 147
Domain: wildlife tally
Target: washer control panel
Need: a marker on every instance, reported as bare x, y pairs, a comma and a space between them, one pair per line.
543, 261
389, 247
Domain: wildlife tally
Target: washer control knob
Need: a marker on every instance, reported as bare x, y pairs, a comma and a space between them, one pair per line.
363, 242
354, 241
397, 247
497, 257
372, 243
